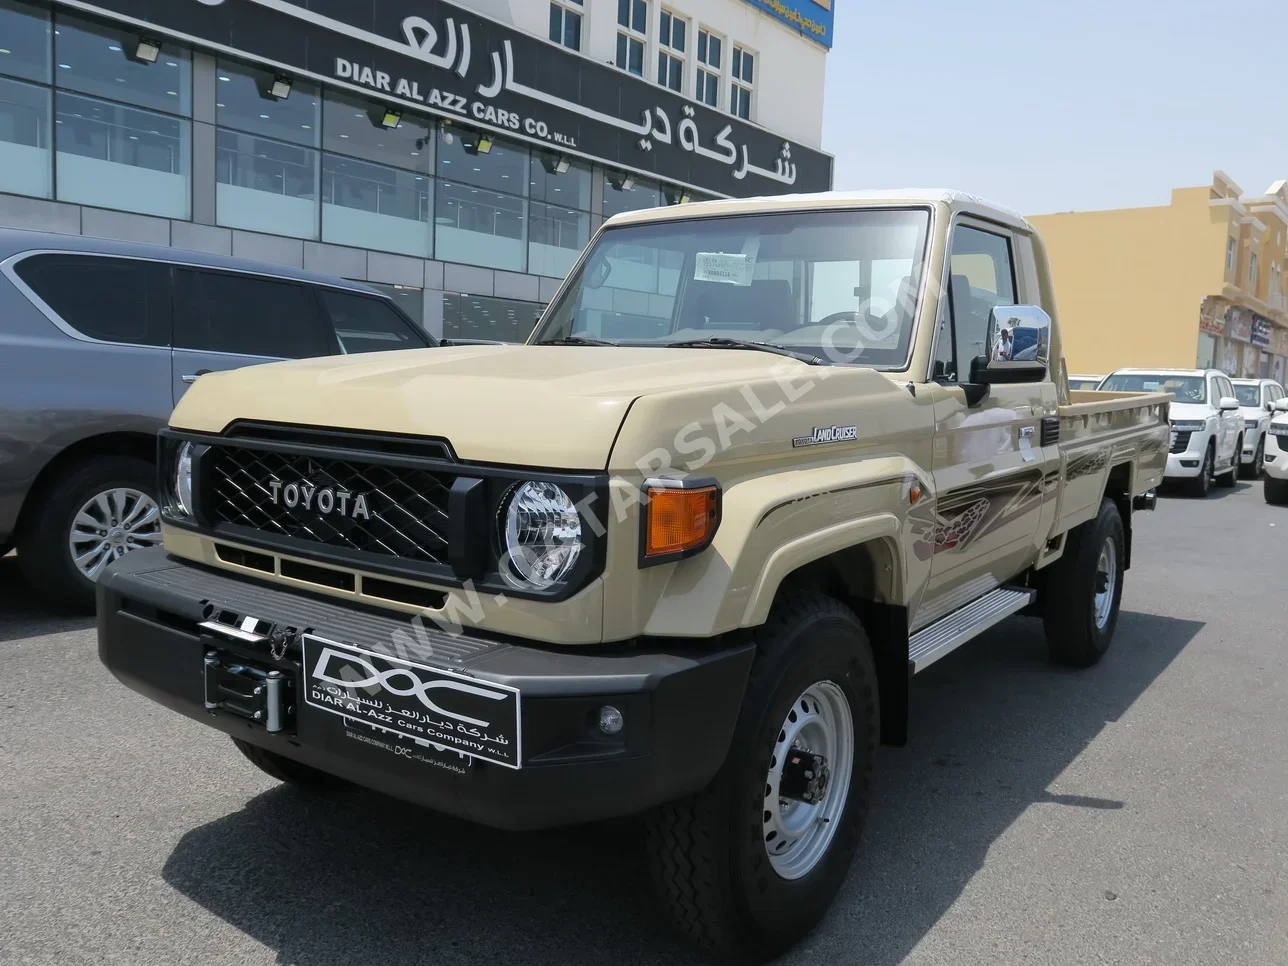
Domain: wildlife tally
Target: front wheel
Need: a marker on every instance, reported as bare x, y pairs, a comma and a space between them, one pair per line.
750, 864
1201, 484
1085, 589
1250, 471
1276, 491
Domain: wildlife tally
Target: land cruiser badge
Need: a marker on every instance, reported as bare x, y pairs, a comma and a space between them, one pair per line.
324, 501
828, 434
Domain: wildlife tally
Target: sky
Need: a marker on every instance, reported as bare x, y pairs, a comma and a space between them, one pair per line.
1058, 105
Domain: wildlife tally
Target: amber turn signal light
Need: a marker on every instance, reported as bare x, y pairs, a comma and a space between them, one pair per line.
678, 520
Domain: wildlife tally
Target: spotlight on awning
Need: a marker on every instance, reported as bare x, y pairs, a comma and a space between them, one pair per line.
147, 50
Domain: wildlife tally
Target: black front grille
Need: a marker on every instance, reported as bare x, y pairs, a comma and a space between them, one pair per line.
393, 511
1181, 441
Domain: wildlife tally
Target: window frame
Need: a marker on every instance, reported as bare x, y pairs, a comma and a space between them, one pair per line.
1252, 269
569, 8
747, 88
321, 317
945, 317
318, 291
632, 35
1231, 253
9, 268
668, 54
707, 72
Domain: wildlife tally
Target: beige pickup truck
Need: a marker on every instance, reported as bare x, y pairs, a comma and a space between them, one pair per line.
760, 463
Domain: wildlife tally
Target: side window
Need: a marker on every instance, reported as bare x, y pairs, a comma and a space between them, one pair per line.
110, 299
981, 276
248, 315
367, 324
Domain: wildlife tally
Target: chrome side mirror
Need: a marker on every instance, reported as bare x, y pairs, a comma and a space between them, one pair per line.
1019, 345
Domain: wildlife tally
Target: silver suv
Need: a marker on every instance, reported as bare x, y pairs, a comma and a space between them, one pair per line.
98, 340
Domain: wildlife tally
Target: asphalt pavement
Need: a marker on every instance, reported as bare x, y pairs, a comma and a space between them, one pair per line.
1136, 813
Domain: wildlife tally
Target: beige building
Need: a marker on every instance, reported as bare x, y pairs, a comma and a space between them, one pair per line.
1197, 282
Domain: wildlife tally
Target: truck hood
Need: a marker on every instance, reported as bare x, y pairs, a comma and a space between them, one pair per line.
554, 406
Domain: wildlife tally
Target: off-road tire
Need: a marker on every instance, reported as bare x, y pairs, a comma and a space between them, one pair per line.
43, 555
1251, 471
1276, 491
1069, 612
1231, 478
287, 769
707, 853
1201, 484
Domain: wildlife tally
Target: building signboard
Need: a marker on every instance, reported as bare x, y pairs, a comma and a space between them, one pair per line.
813, 18
1261, 329
432, 56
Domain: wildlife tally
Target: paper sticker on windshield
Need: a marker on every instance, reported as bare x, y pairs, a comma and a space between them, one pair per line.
732, 269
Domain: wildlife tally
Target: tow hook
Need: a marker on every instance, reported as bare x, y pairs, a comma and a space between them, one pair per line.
1146, 501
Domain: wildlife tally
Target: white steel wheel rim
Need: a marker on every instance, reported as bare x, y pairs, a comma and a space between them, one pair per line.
797, 834
1106, 582
110, 525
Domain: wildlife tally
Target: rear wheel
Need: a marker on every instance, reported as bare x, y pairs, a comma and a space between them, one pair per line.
287, 769
1231, 478
1201, 484
1276, 491
1084, 590
97, 511
750, 864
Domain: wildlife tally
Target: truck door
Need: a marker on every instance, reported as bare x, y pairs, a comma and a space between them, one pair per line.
993, 476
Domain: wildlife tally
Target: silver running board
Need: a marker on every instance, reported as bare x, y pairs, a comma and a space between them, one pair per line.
949, 633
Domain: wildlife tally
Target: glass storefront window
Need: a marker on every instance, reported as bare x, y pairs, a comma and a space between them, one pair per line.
24, 40
374, 206
462, 157
623, 193
115, 156
243, 100
265, 185
352, 126
494, 320
571, 189
556, 237
479, 227
25, 156
96, 59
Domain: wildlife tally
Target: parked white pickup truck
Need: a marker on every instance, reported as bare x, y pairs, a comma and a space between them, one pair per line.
1275, 461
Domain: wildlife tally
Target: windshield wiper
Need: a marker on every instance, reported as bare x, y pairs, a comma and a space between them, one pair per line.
575, 340
721, 342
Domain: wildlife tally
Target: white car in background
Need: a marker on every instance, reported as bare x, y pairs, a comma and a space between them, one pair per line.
1275, 462
1084, 382
1257, 398
1207, 426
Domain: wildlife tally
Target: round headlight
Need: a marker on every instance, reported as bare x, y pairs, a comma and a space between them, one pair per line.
542, 535
183, 479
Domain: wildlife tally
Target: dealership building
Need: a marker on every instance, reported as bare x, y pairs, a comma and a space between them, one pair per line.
457, 155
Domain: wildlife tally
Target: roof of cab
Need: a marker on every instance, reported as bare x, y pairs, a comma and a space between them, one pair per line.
773, 204
15, 241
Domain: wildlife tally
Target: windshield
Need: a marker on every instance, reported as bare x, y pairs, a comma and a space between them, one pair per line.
1186, 389
1248, 395
843, 282
1077, 382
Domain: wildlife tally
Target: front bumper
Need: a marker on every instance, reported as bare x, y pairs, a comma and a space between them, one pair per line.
679, 703
1188, 463
1275, 463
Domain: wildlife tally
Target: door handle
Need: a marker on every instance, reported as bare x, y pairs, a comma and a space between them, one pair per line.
194, 376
